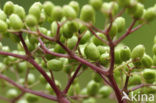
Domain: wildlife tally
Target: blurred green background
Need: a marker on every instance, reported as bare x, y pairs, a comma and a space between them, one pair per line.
144, 36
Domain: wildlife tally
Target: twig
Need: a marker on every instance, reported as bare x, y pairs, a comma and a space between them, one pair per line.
4, 98
50, 52
13, 55
26, 77
104, 41
72, 79
120, 13
126, 34
107, 82
28, 90
140, 86
24, 45
18, 97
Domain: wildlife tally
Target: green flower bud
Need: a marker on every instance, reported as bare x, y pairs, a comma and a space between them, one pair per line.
58, 49
19, 10
92, 88
31, 20
38, 4
67, 68
137, 64
69, 12
6, 49
154, 49
74, 89
87, 14
105, 9
31, 78
49, 89
22, 101
83, 28
96, 4
55, 65
149, 14
12, 93
154, 60
84, 91
75, 6
2, 15
132, 7
125, 53
73, 26
109, 8
138, 52
120, 21
92, 52
36, 11
42, 17
21, 67
135, 80
105, 91
97, 77
31, 97
49, 56
43, 30
69, 28
48, 8
90, 100
113, 30
124, 3
71, 43
147, 61
149, 75
58, 84
104, 59
117, 56
139, 11
54, 28
57, 13
15, 22
2, 66
3, 26
8, 7
103, 49
85, 38
96, 41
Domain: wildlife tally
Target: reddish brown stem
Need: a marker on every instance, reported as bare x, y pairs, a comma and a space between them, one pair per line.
94, 33
27, 90
126, 34
18, 97
72, 79
52, 84
116, 88
107, 82
13, 55
140, 86
24, 45
50, 52
4, 98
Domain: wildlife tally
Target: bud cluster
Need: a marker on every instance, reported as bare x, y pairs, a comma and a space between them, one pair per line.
53, 39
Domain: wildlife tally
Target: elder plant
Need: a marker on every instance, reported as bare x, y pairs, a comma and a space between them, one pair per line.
51, 38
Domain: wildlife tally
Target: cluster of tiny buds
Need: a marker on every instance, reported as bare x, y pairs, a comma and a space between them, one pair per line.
51, 39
